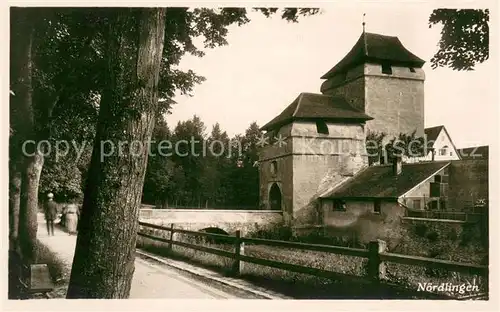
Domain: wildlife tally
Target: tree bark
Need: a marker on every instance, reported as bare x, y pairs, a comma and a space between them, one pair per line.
22, 109
103, 264
28, 209
14, 203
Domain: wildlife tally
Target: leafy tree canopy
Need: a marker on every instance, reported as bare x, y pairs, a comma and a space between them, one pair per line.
464, 38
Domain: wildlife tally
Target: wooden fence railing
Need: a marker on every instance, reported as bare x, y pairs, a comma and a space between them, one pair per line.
202, 207
444, 215
376, 255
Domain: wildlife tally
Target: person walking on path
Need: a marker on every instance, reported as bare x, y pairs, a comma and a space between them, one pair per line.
50, 213
72, 215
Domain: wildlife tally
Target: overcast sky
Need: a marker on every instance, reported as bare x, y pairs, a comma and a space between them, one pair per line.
268, 62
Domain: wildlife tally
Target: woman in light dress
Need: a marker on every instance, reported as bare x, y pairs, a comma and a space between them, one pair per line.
72, 215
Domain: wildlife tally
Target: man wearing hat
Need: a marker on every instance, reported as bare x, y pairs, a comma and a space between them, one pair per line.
50, 213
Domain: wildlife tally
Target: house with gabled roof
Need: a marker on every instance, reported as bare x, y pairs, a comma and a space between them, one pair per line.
440, 146
387, 190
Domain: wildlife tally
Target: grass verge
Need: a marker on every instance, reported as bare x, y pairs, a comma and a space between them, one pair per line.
58, 270
402, 279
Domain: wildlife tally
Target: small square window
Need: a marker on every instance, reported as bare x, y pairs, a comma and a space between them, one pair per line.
321, 127
386, 69
376, 206
339, 205
416, 204
412, 69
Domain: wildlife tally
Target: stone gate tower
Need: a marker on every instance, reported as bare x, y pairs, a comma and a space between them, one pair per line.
315, 143
380, 77
320, 138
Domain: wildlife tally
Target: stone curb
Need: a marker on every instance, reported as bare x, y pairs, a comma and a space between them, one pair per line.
213, 277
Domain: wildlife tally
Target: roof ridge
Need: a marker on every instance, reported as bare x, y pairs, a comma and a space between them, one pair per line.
299, 100
365, 44
377, 34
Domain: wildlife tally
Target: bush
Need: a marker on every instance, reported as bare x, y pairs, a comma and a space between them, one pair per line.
215, 240
432, 236
421, 230
275, 233
469, 234
452, 235
431, 272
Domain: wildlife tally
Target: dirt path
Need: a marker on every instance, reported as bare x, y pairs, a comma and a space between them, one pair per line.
150, 280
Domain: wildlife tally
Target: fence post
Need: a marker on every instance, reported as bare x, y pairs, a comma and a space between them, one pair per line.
171, 236
235, 270
376, 268
242, 253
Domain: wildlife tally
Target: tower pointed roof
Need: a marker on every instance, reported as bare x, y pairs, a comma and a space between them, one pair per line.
375, 48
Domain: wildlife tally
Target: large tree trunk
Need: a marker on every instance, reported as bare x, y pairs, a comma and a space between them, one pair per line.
24, 127
103, 264
14, 203
28, 209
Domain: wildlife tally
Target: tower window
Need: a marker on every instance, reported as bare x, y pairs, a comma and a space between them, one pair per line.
376, 206
321, 127
274, 167
386, 69
412, 69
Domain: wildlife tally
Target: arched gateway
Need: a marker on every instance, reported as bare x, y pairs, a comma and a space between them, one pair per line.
275, 197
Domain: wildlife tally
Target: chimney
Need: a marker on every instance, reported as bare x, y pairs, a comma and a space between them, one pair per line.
397, 165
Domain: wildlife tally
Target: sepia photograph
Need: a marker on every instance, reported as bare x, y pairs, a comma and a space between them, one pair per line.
320, 151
